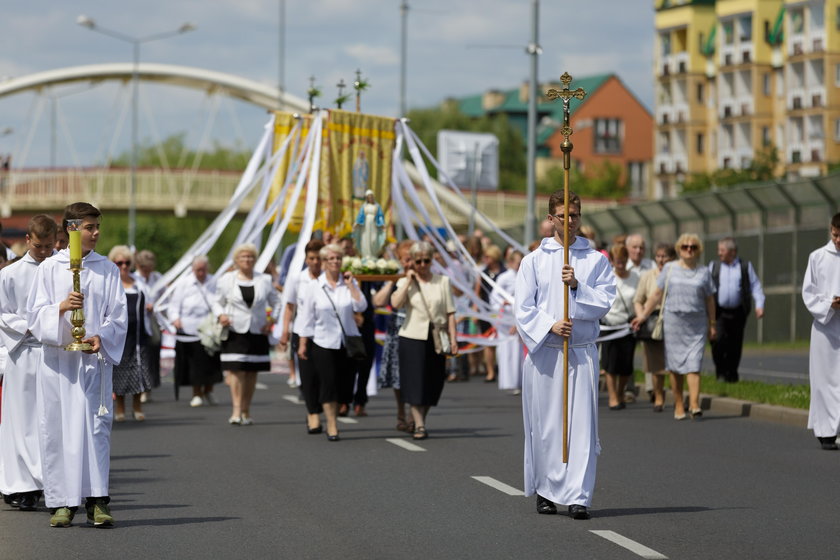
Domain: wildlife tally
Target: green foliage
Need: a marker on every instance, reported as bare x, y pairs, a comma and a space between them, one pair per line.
760, 169
167, 236
512, 166
174, 154
600, 180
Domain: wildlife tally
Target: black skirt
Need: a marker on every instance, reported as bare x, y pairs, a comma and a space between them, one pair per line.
245, 352
617, 355
422, 371
194, 366
332, 370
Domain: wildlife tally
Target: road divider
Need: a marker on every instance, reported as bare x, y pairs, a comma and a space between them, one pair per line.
498, 485
407, 445
631, 545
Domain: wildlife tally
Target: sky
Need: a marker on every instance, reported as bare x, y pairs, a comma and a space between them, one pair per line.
455, 48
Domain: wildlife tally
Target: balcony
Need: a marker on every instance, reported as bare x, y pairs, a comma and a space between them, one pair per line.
796, 45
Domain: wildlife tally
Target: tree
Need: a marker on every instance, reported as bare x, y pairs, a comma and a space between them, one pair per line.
761, 168
600, 180
427, 122
173, 153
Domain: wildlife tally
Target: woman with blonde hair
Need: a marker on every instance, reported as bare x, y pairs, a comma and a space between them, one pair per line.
427, 299
243, 298
132, 376
617, 353
326, 317
688, 307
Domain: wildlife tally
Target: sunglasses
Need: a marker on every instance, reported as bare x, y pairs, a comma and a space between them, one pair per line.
422, 261
689, 247
572, 216
122, 263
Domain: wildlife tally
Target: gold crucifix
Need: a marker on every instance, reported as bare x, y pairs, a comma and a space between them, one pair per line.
566, 95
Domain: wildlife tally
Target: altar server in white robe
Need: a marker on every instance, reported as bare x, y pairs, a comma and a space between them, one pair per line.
539, 318
509, 352
821, 293
20, 453
75, 387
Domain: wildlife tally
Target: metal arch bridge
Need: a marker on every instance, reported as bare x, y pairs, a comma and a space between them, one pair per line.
184, 76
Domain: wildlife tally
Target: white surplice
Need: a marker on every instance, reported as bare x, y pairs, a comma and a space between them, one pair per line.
820, 285
539, 304
20, 453
509, 351
74, 386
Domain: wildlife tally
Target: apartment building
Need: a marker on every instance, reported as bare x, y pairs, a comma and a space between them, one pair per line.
736, 77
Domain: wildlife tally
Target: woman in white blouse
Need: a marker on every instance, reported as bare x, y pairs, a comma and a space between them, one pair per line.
327, 313
243, 300
422, 370
189, 305
617, 353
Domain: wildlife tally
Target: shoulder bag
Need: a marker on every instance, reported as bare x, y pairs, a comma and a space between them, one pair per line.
656, 334
440, 337
353, 344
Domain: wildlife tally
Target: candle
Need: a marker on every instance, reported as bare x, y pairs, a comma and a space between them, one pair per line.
75, 246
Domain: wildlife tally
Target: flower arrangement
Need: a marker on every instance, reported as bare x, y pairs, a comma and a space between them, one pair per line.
368, 265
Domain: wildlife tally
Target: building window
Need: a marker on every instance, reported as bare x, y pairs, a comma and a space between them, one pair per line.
765, 136
608, 136
728, 33
745, 24
665, 41
837, 18
837, 74
837, 129
700, 139
700, 89
766, 84
797, 22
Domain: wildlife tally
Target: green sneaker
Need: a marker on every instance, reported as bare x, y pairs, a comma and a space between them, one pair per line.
99, 514
62, 517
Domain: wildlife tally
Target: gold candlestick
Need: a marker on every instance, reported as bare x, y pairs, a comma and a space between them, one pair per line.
77, 316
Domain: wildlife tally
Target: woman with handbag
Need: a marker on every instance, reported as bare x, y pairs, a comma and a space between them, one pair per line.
686, 291
427, 335
327, 313
188, 306
242, 299
617, 353
654, 349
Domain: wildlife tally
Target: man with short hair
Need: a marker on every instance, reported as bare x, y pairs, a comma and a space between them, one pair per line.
821, 294
538, 307
20, 455
75, 423
737, 288
637, 262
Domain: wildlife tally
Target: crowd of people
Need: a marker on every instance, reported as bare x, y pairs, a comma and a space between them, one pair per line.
434, 325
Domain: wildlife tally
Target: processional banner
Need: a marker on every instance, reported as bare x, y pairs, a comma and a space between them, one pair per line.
284, 124
357, 155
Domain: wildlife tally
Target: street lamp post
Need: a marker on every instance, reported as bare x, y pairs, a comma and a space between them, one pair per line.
88, 22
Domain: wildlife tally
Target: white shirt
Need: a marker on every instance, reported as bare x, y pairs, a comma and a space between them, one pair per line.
729, 285
637, 269
318, 317
298, 291
191, 301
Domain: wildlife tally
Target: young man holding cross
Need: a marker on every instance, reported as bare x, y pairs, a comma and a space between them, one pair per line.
539, 290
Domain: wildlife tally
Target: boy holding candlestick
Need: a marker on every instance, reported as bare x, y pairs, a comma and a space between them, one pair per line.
20, 454
76, 385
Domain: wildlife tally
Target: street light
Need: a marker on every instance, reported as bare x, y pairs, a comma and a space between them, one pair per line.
88, 22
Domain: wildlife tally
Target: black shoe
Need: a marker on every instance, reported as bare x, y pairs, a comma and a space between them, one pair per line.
333, 438
619, 406
545, 506
7, 498
29, 501
15, 499
827, 443
578, 512
316, 430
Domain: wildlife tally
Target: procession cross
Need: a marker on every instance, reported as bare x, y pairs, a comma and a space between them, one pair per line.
566, 94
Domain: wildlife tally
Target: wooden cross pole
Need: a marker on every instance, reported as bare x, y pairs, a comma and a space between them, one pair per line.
566, 94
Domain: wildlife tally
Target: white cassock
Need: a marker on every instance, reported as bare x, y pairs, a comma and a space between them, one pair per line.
509, 352
20, 453
539, 304
74, 386
820, 285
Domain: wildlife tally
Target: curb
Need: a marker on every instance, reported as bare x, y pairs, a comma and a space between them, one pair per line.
767, 412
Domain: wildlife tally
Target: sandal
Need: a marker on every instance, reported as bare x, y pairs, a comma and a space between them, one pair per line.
420, 433
402, 425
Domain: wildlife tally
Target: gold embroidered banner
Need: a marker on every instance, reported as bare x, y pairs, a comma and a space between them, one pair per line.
357, 156
284, 124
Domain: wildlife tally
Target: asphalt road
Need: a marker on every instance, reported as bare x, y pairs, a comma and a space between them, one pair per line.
187, 485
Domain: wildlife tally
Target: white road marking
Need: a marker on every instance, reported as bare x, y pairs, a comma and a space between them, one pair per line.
292, 399
631, 545
500, 486
404, 444
261, 386
346, 420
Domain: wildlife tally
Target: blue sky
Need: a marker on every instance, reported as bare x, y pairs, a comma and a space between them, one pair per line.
448, 55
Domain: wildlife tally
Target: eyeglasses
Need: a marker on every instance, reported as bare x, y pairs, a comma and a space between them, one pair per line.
122, 263
572, 216
689, 247
422, 261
